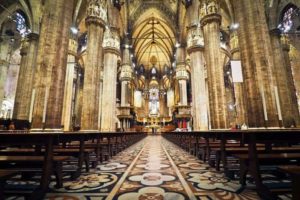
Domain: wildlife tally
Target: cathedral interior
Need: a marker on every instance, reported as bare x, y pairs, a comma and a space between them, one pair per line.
162, 67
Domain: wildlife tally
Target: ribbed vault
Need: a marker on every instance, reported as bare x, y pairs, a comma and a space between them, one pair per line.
153, 39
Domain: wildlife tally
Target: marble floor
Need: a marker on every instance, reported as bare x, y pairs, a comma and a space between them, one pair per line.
152, 169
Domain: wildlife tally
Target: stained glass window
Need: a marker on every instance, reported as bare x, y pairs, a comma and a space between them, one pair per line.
21, 24
287, 20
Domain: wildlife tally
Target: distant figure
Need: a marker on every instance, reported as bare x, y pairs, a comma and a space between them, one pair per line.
11, 126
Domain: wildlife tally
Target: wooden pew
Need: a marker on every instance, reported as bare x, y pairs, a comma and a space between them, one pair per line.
230, 151
258, 149
4, 175
19, 160
45, 140
294, 172
251, 161
58, 150
48, 141
48, 158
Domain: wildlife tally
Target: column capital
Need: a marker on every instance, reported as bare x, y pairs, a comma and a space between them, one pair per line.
210, 18
283, 39
112, 50
96, 12
111, 41
285, 43
24, 47
195, 48
31, 37
181, 72
209, 7
126, 73
73, 46
195, 40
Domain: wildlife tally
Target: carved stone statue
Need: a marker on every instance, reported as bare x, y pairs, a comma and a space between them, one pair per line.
111, 39
97, 9
202, 10
212, 7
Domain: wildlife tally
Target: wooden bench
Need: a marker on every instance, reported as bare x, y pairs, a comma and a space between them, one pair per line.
252, 161
17, 160
253, 139
72, 151
4, 175
294, 172
75, 152
244, 150
48, 158
270, 158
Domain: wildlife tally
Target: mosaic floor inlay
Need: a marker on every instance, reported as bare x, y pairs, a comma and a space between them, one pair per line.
152, 169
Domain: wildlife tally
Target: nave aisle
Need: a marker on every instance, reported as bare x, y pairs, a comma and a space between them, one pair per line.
154, 168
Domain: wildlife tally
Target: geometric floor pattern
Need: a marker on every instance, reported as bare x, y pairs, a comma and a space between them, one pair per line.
152, 169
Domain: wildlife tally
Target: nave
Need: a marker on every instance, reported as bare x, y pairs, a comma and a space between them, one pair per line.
153, 168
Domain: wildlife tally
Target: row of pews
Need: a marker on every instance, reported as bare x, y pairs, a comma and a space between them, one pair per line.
248, 152
25, 153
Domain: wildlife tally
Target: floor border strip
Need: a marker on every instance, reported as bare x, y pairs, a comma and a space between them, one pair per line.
122, 179
182, 180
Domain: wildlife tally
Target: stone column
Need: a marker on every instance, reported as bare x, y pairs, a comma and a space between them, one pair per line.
25, 81
290, 81
111, 52
78, 97
125, 76
124, 93
210, 23
283, 90
294, 55
69, 85
183, 86
95, 22
100, 98
5, 54
239, 94
257, 63
198, 78
181, 75
51, 64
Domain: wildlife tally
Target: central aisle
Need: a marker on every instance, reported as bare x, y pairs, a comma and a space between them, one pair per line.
155, 169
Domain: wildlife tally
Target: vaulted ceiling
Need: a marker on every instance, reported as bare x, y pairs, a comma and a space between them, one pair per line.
153, 39
153, 25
